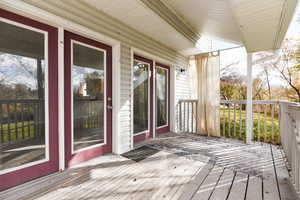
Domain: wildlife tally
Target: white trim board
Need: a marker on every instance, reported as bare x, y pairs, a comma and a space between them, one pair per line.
61, 99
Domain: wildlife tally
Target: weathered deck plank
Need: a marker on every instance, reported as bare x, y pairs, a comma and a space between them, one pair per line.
284, 183
185, 167
209, 184
270, 188
238, 189
224, 185
193, 186
254, 189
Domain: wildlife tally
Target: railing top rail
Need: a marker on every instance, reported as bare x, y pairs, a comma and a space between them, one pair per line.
254, 101
294, 110
260, 102
188, 100
88, 100
12, 101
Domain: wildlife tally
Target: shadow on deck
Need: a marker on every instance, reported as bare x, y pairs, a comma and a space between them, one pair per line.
172, 167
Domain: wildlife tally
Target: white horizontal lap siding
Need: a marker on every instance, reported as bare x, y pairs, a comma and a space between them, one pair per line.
183, 91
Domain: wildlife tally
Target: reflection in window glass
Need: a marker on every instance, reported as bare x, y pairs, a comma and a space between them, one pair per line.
140, 104
88, 96
22, 99
161, 96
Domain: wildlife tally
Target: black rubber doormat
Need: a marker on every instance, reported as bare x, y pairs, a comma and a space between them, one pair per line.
140, 153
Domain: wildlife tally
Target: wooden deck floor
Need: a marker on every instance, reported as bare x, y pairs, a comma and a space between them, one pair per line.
182, 167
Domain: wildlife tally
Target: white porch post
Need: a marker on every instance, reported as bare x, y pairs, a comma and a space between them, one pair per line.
249, 119
61, 100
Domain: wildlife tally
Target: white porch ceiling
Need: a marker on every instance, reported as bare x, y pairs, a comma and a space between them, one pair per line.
136, 15
212, 18
257, 24
182, 24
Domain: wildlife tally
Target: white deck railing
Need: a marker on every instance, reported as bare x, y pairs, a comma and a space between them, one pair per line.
276, 122
290, 138
265, 116
187, 116
266, 119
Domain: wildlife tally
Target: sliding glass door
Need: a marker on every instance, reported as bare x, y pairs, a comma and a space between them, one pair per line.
162, 97
142, 95
151, 98
28, 100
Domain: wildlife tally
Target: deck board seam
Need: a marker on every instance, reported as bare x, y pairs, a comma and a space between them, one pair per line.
246, 190
229, 190
198, 187
211, 193
275, 172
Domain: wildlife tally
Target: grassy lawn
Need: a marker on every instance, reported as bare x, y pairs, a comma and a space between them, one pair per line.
241, 130
17, 132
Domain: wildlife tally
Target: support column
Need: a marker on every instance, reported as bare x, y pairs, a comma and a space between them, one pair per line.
249, 115
61, 99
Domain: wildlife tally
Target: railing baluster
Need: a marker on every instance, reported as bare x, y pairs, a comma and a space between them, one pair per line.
184, 117
265, 121
22, 119
241, 121
192, 116
258, 123
28, 119
234, 119
38, 117
224, 119
8, 123
272, 115
36, 133
188, 116
196, 118
180, 116
16, 122
229, 121
1, 124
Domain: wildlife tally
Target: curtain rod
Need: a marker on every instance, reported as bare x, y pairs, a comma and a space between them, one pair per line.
219, 50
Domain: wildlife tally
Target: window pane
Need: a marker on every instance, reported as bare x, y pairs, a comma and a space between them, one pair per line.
140, 104
22, 100
161, 97
88, 96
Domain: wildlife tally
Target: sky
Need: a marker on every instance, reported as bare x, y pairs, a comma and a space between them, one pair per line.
239, 55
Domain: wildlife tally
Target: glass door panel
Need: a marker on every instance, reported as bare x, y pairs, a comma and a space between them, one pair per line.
161, 97
88, 98
162, 93
88, 78
22, 101
141, 97
28, 118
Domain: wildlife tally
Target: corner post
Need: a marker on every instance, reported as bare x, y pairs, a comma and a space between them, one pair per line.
249, 119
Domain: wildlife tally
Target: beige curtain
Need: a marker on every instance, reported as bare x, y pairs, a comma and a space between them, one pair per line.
208, 76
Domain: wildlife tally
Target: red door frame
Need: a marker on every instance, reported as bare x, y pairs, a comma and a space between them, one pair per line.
166, 128
71, 159
149, 134
23, 175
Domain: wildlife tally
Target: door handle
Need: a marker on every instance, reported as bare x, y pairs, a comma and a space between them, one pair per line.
110, 107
